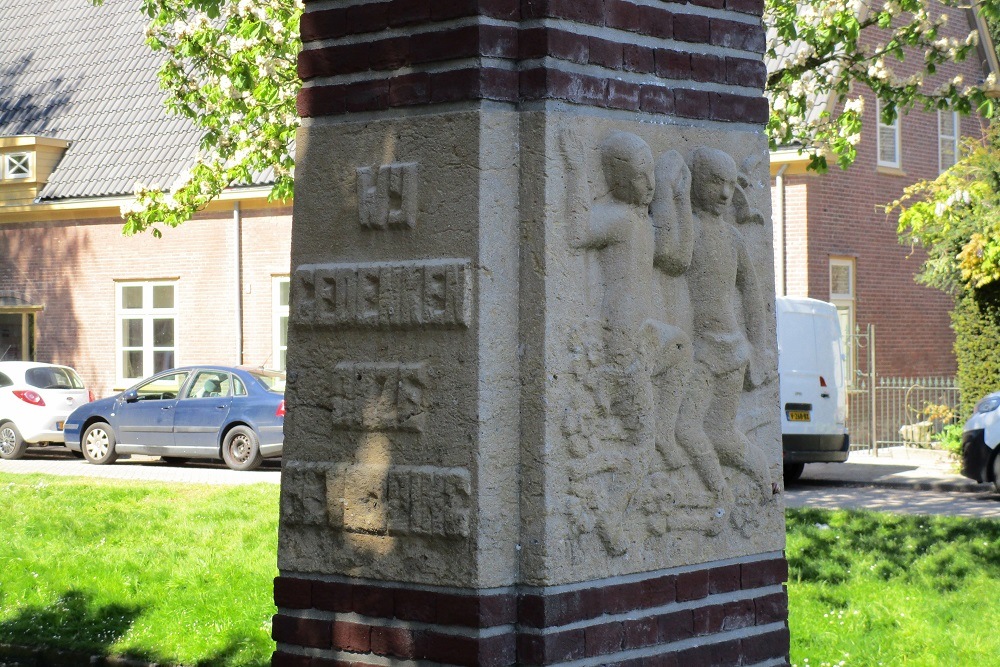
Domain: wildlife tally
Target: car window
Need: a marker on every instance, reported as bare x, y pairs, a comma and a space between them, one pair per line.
53, 377
273, 381
164, 387
239, 389
5, 381
209, 384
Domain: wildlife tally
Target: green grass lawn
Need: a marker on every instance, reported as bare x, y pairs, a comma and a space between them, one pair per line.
168, 573
183, 574
869, 588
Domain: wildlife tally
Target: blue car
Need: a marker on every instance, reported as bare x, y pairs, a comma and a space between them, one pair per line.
204, 412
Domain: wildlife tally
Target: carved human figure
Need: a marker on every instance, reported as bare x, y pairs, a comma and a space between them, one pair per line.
618, 227
727, 352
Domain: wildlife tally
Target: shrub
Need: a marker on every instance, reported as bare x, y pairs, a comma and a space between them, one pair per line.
976, 320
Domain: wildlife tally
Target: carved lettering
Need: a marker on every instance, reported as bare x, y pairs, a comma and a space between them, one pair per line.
303, 499
379, 396
402, 500
399, 295
388, 198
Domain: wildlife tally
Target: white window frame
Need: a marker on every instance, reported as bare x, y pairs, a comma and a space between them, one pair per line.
28, 165
845, 301
952, 139
147, 314
278, 311
897, 164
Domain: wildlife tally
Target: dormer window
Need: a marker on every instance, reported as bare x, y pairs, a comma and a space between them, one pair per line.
17, 165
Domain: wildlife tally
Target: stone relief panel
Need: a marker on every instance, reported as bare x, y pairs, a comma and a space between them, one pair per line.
373, 396
655, 438
387, 500
390, 295
387, 197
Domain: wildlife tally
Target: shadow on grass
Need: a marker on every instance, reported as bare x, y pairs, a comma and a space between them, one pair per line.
75, 627
71, 623
833, 547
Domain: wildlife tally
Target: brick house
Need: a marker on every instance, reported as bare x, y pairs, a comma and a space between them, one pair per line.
834, 242
82, 121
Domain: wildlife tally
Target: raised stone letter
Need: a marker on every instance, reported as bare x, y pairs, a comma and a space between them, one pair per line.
379, 396
384, 295
388, 198
400, 500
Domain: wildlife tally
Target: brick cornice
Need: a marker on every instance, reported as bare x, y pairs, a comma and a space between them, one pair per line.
618, 54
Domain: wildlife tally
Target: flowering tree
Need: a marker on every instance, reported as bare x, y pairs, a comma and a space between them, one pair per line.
230, 67
823, 49
956, 218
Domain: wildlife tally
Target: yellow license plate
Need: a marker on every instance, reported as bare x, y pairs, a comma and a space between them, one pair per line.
798, 416
60, 425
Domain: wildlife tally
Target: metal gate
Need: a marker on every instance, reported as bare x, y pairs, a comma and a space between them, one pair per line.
892, 411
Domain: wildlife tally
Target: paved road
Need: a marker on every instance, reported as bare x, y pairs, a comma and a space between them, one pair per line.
53, 461
895, 499
892, 484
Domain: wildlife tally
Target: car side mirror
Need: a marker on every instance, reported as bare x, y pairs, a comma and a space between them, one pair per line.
131, 396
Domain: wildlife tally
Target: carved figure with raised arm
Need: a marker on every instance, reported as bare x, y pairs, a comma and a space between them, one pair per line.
728, 352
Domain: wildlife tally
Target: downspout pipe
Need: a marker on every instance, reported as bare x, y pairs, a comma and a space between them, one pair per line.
781, 282
237, 272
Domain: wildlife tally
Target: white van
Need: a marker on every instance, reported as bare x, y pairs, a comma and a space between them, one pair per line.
813, 395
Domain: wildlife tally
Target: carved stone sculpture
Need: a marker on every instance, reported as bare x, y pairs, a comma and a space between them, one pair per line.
650, 397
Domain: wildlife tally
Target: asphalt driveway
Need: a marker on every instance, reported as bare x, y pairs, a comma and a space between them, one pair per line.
59, 461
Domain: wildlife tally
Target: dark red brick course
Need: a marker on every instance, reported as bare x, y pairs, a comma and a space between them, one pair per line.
603, 639
310, 632
771, 608
279, 659
395, 642
767, 646
724, 579
292, 593
621, 617
737, 35
692, 585
354, 637
764, 573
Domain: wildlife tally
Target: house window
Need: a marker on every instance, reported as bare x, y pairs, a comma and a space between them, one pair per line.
146, 328
279, 308
948, 133
17, 165
888, 141
842, 296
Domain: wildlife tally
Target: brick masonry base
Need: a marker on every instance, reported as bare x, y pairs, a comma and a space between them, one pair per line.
726, 613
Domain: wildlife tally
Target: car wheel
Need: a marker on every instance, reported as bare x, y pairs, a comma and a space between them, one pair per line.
240, 450
793, 471
99, 444
12, 445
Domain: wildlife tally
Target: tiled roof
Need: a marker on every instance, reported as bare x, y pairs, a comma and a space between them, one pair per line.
69, 70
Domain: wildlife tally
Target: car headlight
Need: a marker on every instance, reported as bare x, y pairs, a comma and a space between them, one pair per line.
988, 404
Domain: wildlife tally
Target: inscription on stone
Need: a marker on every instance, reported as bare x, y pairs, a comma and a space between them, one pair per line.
387, 198
378, 499
303, 496
397, 295
379, 396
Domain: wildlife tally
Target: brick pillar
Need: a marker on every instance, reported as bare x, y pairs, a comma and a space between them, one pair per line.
517, 433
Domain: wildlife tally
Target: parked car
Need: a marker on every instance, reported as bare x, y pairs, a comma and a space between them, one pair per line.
811, 376
980, 440
203, 412
35, 400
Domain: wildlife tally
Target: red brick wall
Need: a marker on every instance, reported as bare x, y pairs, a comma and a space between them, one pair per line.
72, 267
846, 219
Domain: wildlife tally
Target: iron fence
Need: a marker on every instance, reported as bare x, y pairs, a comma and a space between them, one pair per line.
891, 411
907, 411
